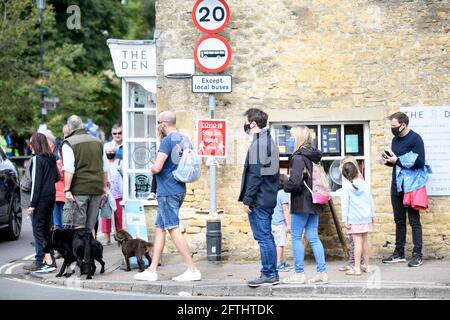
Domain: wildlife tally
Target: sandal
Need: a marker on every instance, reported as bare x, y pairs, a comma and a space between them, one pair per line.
345, 268
353, 272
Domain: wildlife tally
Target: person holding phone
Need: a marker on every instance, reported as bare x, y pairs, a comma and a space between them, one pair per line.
405, 141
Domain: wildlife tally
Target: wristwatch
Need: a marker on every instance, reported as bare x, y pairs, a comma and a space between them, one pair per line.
67, 190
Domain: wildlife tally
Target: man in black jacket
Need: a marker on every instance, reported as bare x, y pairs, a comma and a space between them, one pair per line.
404, 141
259, 189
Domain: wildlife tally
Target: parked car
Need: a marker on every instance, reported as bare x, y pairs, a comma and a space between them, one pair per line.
10, 210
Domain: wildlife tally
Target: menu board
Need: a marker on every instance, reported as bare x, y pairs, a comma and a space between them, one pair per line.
331, 139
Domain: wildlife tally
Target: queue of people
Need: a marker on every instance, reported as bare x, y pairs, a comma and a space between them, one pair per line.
68, 182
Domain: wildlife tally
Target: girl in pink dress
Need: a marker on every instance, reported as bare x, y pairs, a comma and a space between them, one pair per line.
358, 212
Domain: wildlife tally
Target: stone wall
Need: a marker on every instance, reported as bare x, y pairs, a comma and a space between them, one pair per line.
334, 57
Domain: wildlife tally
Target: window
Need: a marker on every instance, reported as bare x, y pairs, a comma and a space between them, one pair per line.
139, 141
335, 140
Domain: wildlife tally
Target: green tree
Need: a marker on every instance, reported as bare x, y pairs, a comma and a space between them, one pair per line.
78, 60
141, 19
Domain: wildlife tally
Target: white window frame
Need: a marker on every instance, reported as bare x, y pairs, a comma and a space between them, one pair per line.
366, 137
127, 122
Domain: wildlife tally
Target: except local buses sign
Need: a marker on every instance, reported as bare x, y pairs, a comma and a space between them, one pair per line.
211, 16
212, 53
211, 138
211, 84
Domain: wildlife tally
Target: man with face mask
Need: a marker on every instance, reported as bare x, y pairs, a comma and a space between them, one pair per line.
405, 140
259, 188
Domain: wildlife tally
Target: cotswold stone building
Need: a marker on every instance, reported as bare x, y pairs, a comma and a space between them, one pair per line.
339, 66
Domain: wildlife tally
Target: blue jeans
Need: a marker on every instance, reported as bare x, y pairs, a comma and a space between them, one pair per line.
261, 224
310, 222
57, 214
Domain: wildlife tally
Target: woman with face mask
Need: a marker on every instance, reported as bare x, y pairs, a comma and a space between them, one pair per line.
115, 189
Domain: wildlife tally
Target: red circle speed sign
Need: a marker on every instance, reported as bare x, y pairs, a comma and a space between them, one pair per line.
212, 53
211, 16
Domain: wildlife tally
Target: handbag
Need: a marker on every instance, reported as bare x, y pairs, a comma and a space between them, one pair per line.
105, 209
416, 199
107, 206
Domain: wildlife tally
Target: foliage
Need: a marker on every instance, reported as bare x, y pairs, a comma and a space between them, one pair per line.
78, 60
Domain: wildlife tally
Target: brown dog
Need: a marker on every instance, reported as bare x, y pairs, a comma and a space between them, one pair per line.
133, 248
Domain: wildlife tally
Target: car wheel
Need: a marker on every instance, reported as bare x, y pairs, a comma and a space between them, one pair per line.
12, 232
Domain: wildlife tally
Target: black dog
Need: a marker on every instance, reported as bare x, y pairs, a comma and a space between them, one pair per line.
77, 245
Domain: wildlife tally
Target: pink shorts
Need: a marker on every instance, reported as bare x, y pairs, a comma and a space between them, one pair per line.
360, 228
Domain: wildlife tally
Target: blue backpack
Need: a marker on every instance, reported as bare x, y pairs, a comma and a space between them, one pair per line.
188, 168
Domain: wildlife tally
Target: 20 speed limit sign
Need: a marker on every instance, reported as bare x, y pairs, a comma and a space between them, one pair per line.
211, 16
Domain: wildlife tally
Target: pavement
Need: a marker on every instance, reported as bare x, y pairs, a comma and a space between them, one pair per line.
229, 278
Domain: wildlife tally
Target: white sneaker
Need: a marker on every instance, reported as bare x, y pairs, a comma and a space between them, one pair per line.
188, 275
146, 275
298, 277
320, 277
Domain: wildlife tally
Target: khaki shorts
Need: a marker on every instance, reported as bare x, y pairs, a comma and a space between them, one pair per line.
83, 212
279, 234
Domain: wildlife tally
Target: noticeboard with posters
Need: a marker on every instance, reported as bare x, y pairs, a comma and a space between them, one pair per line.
331, 140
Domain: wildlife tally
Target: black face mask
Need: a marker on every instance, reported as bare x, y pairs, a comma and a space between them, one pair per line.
396, 130
247, 127
111, 156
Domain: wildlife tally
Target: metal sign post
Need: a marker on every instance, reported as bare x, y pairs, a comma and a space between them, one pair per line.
212, 54
213, 225
212, 162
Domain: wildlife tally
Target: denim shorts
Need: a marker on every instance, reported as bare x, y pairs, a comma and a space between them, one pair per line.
168, 210
279, 234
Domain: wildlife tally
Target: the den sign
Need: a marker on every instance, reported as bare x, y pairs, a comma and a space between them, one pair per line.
134, 59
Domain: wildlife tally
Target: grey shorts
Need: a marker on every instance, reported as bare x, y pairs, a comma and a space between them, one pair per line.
279, 234
83, 212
